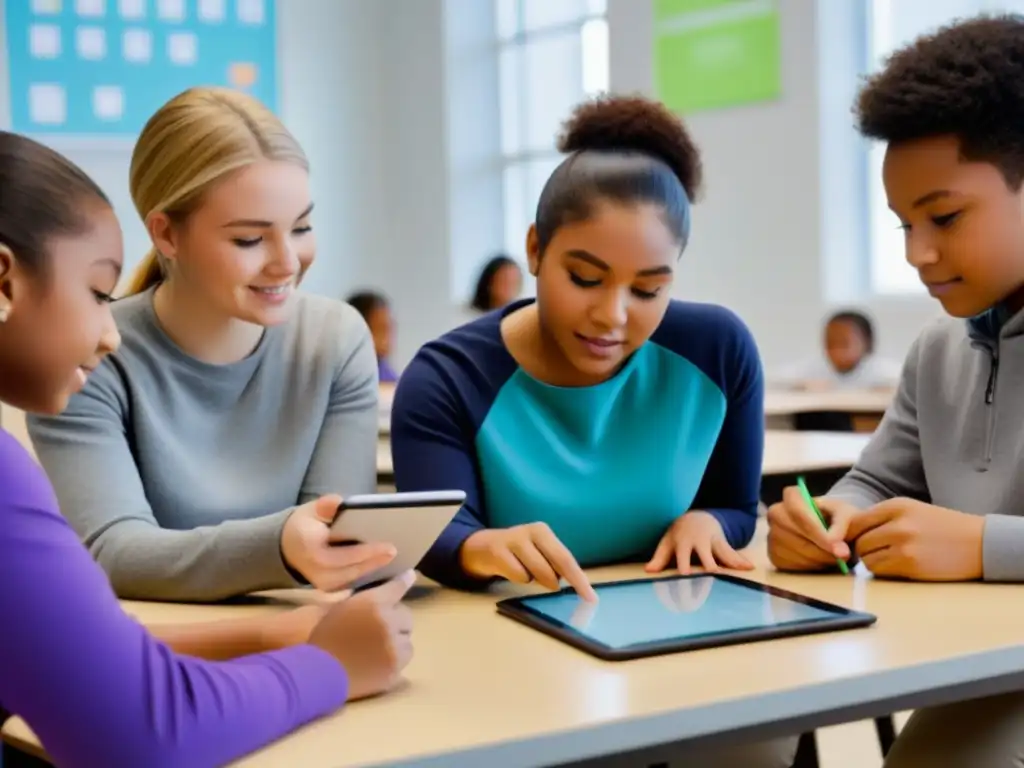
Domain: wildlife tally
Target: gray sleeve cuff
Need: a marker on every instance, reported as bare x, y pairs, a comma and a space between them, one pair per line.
1002, 549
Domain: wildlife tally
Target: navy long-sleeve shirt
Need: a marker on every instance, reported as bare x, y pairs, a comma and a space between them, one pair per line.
608, 467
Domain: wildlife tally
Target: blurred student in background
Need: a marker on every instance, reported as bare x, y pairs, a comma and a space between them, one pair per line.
849, 361
376, 311
499, 284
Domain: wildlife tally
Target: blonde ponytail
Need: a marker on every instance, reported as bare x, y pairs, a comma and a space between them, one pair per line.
146, 275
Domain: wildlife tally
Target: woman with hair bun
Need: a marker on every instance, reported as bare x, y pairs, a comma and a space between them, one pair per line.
600, 396
602, 422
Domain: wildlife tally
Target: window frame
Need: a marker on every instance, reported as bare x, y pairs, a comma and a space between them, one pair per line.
521, 161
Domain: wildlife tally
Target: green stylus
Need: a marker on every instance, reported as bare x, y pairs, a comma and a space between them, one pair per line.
809, 501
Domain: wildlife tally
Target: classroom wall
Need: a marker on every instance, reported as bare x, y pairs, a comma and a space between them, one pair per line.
396, 103
778, 195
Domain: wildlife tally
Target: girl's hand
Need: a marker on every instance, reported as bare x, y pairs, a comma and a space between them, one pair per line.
523, 554
696, 533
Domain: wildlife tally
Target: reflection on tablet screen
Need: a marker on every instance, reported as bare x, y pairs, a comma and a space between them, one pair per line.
633, 614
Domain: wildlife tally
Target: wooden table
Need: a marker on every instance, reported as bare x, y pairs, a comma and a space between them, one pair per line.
863, 409
13, 420
788, 452
485, 691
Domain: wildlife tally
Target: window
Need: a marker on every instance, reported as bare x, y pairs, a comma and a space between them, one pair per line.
893, 24
552, 55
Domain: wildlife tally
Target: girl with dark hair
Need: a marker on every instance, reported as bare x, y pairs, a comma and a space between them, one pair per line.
119, 695
603, 421
499, 284
849, 360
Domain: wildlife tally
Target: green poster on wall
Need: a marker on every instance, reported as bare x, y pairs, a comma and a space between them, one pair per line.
710, 54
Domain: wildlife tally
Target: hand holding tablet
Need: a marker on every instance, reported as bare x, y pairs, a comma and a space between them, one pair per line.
306, 548
523, 554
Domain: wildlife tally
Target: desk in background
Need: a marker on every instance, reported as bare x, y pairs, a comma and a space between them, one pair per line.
530, 700
858, 411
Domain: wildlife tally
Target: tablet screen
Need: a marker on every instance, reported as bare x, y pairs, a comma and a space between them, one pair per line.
635, 613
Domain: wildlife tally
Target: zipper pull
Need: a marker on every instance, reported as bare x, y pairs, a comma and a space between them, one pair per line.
990, 390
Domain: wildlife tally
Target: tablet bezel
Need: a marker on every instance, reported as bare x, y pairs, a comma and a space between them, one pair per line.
519, 609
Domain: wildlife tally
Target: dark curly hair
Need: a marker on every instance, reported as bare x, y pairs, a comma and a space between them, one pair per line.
624, 148
966, 80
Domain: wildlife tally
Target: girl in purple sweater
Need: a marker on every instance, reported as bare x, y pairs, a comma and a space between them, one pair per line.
92, 683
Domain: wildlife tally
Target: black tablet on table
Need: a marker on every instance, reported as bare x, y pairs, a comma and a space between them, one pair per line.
647, 617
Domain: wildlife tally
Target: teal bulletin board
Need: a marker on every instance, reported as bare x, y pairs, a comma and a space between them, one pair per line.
100, 68
710, 54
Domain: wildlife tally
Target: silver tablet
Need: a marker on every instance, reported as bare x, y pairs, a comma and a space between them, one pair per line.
412, 522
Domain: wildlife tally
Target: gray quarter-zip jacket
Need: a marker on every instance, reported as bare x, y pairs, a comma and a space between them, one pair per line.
954, 436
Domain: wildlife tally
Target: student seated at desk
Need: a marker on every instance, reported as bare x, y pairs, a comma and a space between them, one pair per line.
849, 361
376, 312
603, 422
201, 459
96, 687
938, 495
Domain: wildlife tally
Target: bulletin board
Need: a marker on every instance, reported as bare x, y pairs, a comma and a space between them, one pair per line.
101, 68
710, 54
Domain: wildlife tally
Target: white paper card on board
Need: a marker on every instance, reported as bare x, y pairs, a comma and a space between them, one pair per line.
137, 46
47, 104
45, 7
131, 9
212, 11
182, 48
90, 8
91, 43
44, 41
171, 10
250, 11
108, 102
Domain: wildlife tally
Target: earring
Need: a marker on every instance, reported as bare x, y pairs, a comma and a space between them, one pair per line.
5, 312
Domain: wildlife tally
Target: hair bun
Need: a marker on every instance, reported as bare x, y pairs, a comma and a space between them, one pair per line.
637, 124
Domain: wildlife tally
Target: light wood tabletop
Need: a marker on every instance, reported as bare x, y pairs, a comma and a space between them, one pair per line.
484, 690
13, 420
785, 403
785, 452
790, 453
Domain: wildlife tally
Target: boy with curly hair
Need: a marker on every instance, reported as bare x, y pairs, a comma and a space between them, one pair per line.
939, 493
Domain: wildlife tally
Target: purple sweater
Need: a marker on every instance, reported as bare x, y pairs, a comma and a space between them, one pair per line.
95, 686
